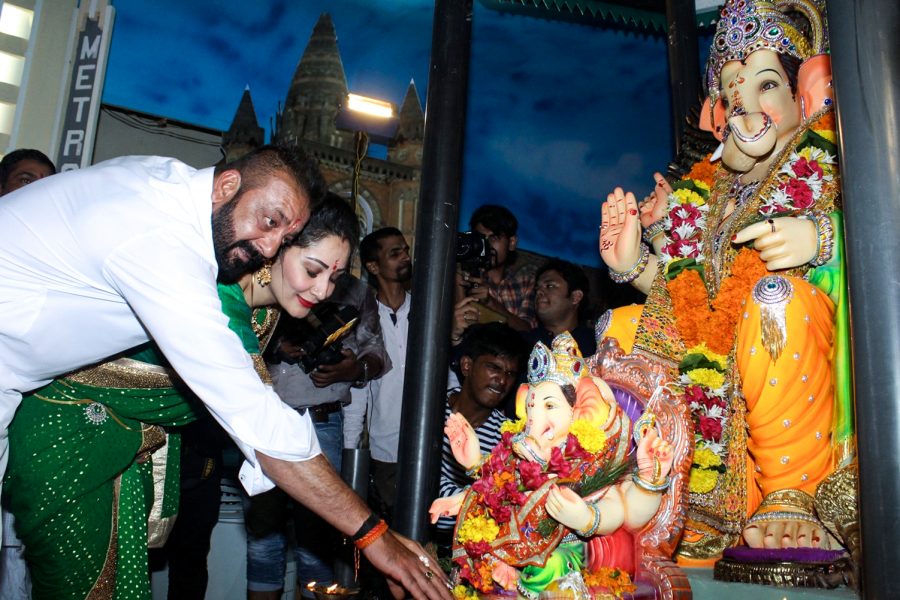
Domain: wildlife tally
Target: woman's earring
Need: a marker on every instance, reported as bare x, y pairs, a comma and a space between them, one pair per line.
264, 275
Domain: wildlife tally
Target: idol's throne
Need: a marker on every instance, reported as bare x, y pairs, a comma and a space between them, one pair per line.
638, 385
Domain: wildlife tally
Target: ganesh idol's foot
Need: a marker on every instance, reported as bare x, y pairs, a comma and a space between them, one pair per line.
785, 519
786, 531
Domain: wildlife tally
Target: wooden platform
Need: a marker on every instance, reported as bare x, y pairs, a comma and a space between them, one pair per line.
706, 588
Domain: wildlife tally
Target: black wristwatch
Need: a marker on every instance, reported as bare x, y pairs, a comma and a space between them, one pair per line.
362, 381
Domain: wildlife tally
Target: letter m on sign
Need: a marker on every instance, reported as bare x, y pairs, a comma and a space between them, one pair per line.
90, 47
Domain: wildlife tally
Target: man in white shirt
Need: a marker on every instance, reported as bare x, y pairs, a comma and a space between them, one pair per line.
18, 169
385, 255
96, 261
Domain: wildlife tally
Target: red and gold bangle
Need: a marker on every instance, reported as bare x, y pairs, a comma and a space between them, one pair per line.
635, 271
376, 532
824, 237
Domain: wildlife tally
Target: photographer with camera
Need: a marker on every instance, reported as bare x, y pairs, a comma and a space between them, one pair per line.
500, 288
314, 363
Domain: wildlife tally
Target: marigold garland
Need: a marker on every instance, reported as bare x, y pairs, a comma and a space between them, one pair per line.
711, 356
461, 592
591, 437
689, 305
703, 170
686, 196
512, 426
716, 325
708, 377
706, 458
825, 123
613, 581
702, 481
478, 529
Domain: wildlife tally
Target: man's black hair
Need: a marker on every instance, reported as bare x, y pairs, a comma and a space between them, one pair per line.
371, 244
497, 339
16, 156
496, 218
257, 166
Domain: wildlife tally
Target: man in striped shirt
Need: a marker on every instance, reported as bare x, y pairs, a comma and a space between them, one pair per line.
491, 356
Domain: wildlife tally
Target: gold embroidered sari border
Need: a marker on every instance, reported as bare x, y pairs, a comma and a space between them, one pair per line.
125, 373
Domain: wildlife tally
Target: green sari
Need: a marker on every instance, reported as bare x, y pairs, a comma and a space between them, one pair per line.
79, 482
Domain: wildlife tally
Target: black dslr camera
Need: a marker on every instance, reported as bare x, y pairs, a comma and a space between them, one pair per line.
473, 253
316, 339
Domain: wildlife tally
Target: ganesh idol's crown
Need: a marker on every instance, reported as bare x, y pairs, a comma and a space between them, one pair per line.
746, 26
561, 364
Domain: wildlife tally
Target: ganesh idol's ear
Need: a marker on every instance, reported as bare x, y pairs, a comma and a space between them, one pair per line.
521, 394
713, 119
593, 399
814, 84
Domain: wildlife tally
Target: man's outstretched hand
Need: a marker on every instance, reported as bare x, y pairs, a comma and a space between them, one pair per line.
408, 567
315, 484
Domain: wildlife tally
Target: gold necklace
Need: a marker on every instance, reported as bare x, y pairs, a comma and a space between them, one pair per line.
269, 315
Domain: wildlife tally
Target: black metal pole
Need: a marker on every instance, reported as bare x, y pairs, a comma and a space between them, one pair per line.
684, 57
432, 302
866, 67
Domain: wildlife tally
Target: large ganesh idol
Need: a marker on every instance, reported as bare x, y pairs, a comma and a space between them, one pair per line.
745, 287
555, 503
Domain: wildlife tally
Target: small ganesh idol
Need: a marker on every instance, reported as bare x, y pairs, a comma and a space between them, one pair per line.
556, 501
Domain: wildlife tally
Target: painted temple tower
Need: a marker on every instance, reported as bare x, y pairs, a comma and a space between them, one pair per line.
388, 188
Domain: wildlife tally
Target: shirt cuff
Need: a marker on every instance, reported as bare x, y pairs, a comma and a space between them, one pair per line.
251, 473
253, 479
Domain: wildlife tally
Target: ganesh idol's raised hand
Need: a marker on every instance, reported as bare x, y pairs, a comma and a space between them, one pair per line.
621, 233
654, 462
653, 210
620, 238
620, 230
654, 457
463, 441
466, 451
653, 206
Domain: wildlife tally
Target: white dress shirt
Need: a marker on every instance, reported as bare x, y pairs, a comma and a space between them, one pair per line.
96, 261
382, 399
379, 404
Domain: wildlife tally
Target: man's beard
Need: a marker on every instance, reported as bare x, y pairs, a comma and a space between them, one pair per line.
231, 267
404, 274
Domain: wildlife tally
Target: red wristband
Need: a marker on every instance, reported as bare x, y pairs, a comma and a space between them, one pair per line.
375, 533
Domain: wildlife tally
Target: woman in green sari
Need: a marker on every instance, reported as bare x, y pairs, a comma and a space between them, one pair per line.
89, 458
